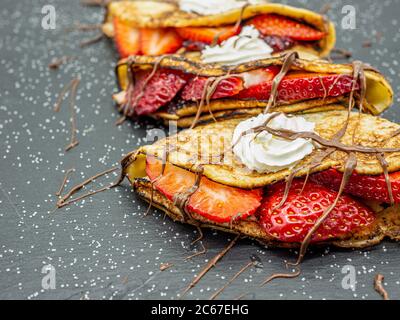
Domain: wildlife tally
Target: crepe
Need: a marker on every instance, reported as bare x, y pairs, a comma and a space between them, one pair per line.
153, 14
204, 142
378, 97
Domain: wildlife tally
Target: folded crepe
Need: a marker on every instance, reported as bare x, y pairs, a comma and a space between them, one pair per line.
189, 91
203, 182
154, 28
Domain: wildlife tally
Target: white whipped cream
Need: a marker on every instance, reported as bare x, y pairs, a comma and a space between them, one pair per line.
207, 7
245, 47
265, 152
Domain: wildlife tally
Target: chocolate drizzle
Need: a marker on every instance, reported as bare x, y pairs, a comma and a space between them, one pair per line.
64, 182
209, 89
242, 270
281, 276
236, 26
378, 286
209, 265
288, 62
72, 88
129, 107
63, 201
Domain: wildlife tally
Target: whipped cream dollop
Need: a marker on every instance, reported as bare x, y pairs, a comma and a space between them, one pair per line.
207, 7
245, 47
264, 152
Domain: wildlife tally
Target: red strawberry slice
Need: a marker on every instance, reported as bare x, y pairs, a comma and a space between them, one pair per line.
208, 35
363, 186
277, 25
302, 86
160, 89
225, 88
126, 39
159, 41
292, 221
212, 200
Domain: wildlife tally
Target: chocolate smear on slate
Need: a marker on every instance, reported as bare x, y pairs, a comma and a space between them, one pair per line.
57, 62
378, 286
209, 266
64, 199
199, 238
72, 88
281, 276
242, 270
198, 253
64, 182
165, 266
95, 3
91, 41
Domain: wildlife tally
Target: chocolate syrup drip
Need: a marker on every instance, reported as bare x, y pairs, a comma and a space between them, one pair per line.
351, 164
57, 62
288, 62
125, 162
202, 251
165, 157
378, 286
63, 201
64, 182
95, 3
236, 26
70, 88
199, 238
281, 276
209, 265
93, 40
129, 107
242, 270
181, 199
384, 165
210, 86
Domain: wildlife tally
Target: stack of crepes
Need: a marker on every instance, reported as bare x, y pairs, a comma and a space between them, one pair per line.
282, 146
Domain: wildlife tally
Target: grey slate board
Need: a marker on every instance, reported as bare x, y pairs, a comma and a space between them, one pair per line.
103, 247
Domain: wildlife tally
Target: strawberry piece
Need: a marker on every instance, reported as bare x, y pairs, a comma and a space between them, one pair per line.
225, 88
301, 86
277, 25
174, 180
126, 39
159, 41
292, 221
212, 200
160, 89
363, 186
207, 35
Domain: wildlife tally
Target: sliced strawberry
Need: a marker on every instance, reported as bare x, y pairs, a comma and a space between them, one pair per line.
225, 88
160, 89
174, 180
208, 35
126, 39
363, 186
292, 221
212, 200
259, 76
221, 203
277, 25
302, 86
159, 41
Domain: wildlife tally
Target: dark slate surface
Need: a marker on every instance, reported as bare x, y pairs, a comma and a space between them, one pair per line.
103, 247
